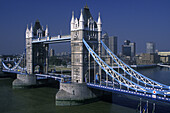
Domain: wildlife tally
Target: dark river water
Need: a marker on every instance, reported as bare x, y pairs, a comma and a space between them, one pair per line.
42, 99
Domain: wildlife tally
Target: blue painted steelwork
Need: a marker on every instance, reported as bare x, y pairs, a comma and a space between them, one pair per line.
134, 86
136, 75
16, 64
14, 71
120, 79
58, 77
111, 89
5, 66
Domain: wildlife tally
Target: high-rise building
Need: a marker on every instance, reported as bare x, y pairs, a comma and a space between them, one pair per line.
129, 49
105, 39
133, 49
51, 52
113, 44
126, 50
150, 47
110, 42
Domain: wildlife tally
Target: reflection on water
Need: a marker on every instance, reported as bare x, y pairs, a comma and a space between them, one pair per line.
42, 99
161, 75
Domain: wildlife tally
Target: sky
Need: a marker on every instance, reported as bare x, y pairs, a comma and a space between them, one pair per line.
139, 21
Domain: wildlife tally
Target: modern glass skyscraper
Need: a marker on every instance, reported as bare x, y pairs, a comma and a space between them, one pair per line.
129, 49
150, 47
110, 42
113, 44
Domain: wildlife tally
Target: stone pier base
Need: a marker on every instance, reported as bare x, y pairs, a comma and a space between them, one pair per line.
23, 81
75, 94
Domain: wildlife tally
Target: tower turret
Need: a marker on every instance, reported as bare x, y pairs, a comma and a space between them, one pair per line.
72, 21
27, 32
81, 21
46, 31
99, 23
31, 31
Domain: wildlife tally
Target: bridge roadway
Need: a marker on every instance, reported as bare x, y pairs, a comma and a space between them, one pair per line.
13, 71
55, 39
123, 91
161, 65
59, 77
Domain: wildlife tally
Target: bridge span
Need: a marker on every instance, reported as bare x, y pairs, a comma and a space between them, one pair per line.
85, 37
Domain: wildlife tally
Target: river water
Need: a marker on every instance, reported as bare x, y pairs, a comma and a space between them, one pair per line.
42, 99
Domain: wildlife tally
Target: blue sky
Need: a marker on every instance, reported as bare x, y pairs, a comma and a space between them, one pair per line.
140, 21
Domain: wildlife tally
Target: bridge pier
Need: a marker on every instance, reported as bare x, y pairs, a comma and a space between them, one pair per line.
71, 94
23, 81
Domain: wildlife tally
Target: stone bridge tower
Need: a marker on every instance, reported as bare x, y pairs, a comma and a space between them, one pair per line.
36, 54
84, 28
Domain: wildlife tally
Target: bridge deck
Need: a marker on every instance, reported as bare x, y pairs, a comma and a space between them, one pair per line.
59, 77
13, 71
112, 89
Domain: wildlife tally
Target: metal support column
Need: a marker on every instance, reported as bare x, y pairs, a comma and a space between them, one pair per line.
106, 80
147, 107
140, 105
94, 69
89, 67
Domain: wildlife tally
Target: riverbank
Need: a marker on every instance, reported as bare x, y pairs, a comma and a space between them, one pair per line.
143, 66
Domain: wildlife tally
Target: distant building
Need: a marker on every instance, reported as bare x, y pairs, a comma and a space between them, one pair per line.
129, 49
126, 42
133, 49
105, 39
126, 50
164, 57
113, 44
150, 47
110, 42
51, 52
147, 59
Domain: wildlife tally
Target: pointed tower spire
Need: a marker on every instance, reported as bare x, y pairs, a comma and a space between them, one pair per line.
99, 23
31, 31
81, 21
72, 21
99, 19
86, 7
46, 31
81, 16
27, 32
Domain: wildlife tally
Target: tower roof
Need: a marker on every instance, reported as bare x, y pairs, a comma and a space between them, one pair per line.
37, 26
87, 15
86, 6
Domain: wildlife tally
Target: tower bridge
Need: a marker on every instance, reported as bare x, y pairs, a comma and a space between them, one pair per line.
88, 70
